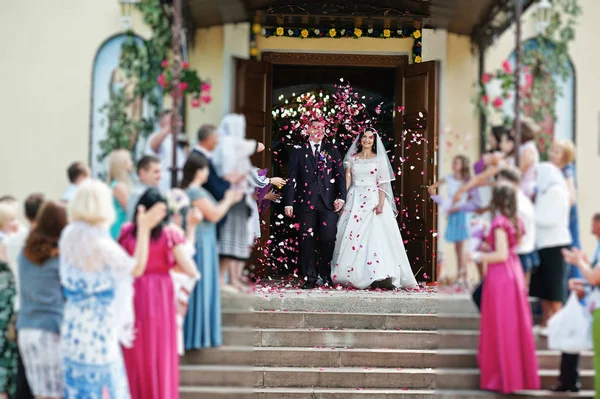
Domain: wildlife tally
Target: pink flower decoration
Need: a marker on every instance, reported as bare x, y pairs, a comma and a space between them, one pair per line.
528, 80
183, 86
195, 103
206, 87
164, 63
185, 65
507, 67
162, 81
486, 78
486, 99
401, 108
206, 98
498, 102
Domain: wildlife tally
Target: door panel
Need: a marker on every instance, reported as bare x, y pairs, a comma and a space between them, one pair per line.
252, 99
416, 135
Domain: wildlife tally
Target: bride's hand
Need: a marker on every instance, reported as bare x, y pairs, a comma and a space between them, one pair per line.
378, 209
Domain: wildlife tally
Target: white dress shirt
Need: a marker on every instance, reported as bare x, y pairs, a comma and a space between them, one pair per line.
165, 154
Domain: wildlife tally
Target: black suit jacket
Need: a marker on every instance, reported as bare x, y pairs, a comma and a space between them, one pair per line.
311, 178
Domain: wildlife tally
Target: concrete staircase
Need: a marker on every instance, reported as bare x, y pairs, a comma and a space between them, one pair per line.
225, 372
341, 344
457, 374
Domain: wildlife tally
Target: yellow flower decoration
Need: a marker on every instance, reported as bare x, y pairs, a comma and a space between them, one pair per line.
256, 28
332, 32
254, 52
418, 59
386, 33
357, 32
304, 33
279, 31
417, 34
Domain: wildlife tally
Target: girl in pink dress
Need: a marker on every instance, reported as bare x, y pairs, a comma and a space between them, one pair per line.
507, 357
153, 362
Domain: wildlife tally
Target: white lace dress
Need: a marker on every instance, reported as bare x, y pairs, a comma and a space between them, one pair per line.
369, 247
95, 276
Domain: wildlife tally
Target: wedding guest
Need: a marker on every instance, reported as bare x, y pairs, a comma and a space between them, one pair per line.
569, 379
236, 237
529, 156
14, 247
149, 175
42, 303
155, 312
552, 235
526, 212
96, 277
160, 145
506, 356
77, 173
202, 327
8, 348
120, 166
457, 230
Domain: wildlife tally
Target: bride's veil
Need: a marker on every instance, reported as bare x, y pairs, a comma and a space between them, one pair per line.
385, 172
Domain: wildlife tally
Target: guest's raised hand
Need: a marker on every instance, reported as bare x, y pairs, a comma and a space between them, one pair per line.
272, 196
194, 217
278, 181
233, 196
574, 257
148, 219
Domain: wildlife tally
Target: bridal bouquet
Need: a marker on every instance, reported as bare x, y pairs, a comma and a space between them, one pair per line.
177, 200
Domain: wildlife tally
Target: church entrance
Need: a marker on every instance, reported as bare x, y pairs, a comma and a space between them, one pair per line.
400, 98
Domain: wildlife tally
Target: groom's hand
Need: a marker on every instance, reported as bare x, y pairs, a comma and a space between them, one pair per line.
289, 211
337, 205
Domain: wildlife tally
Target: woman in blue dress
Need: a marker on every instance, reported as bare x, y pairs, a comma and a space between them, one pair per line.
97, 279
202, 327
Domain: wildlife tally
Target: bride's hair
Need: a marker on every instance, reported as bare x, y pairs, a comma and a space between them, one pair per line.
359, 141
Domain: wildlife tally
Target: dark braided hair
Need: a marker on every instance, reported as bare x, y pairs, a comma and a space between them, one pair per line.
504, 202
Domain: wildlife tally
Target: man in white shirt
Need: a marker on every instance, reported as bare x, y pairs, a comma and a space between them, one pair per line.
149, 173
160, 144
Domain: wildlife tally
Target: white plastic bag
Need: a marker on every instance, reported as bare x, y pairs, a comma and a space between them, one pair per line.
570, 329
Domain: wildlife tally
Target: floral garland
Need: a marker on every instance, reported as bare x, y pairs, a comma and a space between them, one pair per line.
333, 33
189, 83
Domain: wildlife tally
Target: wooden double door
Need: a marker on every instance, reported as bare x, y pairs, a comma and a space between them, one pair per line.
415, 120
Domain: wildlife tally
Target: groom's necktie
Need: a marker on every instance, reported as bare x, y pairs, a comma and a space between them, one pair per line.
317, 151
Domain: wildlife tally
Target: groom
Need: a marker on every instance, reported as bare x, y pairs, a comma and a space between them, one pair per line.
317, 191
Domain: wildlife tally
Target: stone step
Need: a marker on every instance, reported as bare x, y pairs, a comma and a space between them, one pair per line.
349, 357
469, 339
215, 392
467, 358
290, 377
468, 379
240, 336
221, 376
466, 394
224, 355
349, 338
349, 301
193, 392
337, 320
342, 393
450, 303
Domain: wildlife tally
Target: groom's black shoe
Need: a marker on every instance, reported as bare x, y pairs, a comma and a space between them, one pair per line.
309, 285
328, 282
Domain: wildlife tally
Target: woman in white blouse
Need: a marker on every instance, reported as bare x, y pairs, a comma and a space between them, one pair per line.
552, 236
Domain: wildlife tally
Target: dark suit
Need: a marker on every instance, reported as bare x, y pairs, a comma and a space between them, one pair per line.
215, 184
313, 186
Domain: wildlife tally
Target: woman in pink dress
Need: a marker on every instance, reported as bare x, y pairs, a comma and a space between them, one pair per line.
153, 362
507, 358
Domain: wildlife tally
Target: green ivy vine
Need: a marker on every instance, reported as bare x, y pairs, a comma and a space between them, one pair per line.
143, 64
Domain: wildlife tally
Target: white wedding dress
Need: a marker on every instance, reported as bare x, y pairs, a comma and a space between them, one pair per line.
369, 247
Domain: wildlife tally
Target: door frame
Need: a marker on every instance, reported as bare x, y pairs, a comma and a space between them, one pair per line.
393, 61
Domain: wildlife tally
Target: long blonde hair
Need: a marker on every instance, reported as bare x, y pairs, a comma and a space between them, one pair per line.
117, 166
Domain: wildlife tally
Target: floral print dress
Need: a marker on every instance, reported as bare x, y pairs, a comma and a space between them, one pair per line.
93, 270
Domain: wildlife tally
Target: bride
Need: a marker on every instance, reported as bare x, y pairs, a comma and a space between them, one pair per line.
369, 250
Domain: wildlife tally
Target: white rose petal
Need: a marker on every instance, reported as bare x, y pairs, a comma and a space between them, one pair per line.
332, 181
